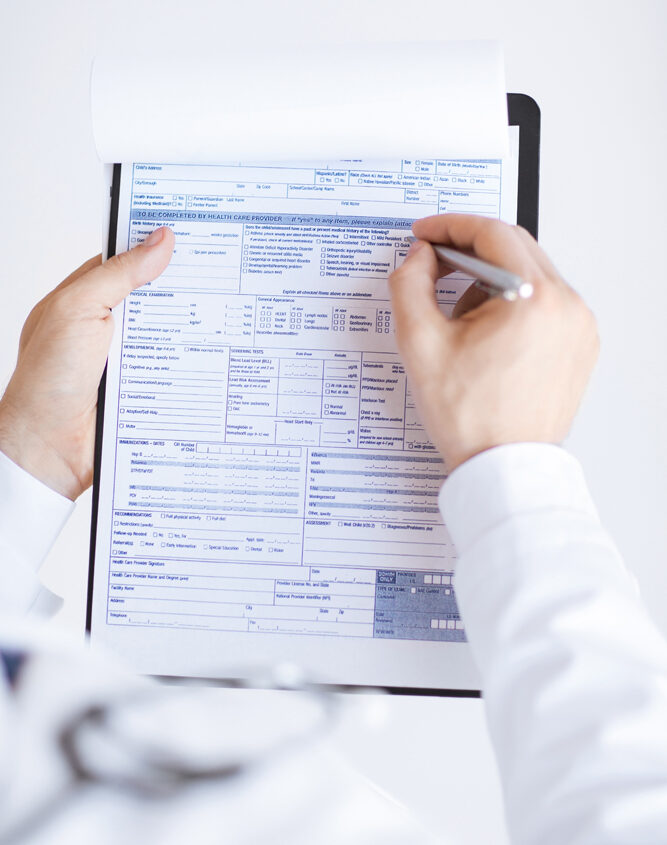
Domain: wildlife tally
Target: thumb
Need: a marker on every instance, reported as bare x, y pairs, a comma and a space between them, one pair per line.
412, 287
123, 273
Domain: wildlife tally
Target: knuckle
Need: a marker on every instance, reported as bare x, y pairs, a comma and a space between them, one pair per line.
71, 303
394, 276
488, 228
119, 263
523, 232
547, 296
399, 275
585, 320
123, 265
65, 298
64, 303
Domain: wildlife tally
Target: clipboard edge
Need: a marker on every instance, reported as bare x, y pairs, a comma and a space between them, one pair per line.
523, 111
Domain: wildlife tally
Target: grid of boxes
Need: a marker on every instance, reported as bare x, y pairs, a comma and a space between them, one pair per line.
452, 624
295, 315
382, 321
446, 582
439, 580
338, 319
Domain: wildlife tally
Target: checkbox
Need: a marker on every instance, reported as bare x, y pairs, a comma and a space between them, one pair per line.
437, 579
434, 623
428, 579
443, 623
413, 590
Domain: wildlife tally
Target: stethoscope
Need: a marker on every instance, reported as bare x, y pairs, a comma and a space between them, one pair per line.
148, 770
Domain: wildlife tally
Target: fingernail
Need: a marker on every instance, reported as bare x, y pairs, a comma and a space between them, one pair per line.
155, 237
414, 246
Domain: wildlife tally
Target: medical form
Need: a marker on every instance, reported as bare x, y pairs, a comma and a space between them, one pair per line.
267, 490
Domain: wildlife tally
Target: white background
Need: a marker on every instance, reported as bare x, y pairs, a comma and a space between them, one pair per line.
597, 69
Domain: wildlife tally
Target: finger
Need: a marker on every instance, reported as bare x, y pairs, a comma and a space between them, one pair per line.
88, 265
80, 271
490, 240
472, 298
412, 288
539, 255
112, 281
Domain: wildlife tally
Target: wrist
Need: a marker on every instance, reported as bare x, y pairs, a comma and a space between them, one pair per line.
29, 450
508, 481
456, 452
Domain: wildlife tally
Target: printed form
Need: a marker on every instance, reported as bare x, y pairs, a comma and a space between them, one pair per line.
264, 466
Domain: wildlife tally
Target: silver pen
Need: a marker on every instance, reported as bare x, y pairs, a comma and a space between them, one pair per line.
491, 279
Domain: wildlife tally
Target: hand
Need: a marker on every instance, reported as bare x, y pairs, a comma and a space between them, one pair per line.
47, 415
504, 372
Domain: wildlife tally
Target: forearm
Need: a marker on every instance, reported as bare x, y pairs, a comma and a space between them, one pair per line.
574, 673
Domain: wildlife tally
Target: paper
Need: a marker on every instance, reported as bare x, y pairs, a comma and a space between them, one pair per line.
295, 102
268, 492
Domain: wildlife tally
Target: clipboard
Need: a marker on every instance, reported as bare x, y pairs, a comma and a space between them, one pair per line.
524, 113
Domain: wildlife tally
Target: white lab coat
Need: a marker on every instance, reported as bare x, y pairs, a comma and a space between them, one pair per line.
574, 678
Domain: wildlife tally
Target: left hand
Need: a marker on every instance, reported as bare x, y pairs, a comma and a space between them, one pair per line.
47, 415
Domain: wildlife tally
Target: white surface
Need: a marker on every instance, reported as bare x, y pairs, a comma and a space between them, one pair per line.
311, 102
598, 72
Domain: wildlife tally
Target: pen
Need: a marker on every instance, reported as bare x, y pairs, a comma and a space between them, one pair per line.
491, 279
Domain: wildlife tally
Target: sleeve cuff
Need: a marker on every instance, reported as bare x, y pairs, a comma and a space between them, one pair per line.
31, 514
507, 480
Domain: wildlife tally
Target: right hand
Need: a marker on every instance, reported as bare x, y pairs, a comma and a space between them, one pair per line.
504, 372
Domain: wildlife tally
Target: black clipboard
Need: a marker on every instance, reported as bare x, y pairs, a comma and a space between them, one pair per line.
523, 112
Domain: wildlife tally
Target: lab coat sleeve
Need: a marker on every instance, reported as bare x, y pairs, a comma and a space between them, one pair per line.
574, 673
31, 517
